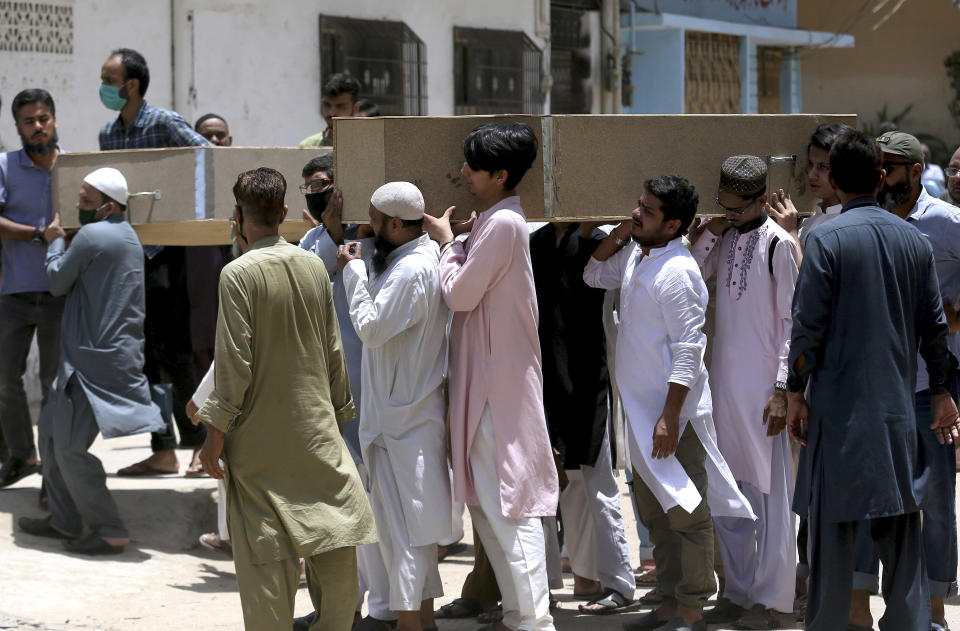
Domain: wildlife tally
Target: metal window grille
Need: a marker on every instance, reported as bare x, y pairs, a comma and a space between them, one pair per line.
712, 73
569, 61
769, 61
496, 72
36, 27
388, 59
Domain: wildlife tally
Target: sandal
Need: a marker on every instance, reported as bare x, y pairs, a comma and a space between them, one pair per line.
653, 598
459, 608
491, 616
612, 601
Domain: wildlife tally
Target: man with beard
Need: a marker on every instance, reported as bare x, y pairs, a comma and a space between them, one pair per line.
952, 194
904, 195
666, 396
866, 301
100, 386
400, 316
26, 305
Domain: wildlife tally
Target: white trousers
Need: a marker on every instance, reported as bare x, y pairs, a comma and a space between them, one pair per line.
412, 570
515, 547
456, 533
371, 571
760, 558
593, 526
222, 531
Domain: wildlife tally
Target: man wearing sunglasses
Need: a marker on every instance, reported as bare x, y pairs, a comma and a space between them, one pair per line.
756, 263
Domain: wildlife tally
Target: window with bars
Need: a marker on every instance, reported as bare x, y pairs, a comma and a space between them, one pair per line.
388, 59
496, 72
712, 73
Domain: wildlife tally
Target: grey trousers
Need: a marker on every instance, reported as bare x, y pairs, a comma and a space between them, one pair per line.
21, 316
898, 542
75, 479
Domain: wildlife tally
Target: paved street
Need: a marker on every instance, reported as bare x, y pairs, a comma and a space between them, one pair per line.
165, 580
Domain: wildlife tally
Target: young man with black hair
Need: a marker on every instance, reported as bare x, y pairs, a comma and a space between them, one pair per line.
780, 206
280, 396
755, 262
124, 79
503, 464
340, 96
860, 429
26, 305
666, 397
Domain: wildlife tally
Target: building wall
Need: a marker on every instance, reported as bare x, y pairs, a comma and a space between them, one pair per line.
898, 64
255, 63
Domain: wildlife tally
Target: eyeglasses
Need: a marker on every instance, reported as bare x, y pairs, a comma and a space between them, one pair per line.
887, 165
951, 171
738, 210
315, 186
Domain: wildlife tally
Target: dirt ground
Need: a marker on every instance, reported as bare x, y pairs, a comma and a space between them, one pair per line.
165, 580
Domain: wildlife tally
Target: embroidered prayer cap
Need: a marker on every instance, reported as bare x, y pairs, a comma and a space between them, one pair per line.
902, 144
110, 182
743, 175
402, 200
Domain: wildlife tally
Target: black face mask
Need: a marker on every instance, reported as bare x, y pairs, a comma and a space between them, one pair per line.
317, 202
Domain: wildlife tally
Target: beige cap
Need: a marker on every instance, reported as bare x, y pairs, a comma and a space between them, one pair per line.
402, 200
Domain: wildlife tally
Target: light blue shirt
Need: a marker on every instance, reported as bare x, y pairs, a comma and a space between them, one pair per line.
25, 197
940, 224
101, 274
319, 242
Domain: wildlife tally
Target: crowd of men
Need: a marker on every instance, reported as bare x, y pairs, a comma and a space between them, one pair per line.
352, 394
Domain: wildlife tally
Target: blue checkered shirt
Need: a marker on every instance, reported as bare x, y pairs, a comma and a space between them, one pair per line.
152, 128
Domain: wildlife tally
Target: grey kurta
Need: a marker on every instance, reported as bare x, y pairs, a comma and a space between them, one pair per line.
860, 355
281, 392
102, 326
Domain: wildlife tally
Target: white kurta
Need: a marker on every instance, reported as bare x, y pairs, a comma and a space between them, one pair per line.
400, 317
662, 302
814, 220
752, 339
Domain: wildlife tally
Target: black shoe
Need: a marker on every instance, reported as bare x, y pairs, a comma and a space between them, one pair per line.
16, 469
303, 623
92, 545
41, 528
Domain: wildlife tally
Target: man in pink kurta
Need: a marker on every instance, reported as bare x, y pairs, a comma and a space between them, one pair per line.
502, 460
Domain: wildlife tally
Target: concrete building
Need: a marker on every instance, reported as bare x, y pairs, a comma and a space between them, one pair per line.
717, 57
261, 64
897, 63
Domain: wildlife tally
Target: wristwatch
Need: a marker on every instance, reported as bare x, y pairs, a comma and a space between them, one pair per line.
780, 385
620, 242
37, 235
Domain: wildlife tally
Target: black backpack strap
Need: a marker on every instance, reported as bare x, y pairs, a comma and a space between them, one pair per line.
773, 246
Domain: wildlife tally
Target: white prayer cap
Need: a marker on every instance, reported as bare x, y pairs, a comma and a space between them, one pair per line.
110, 182
402, 200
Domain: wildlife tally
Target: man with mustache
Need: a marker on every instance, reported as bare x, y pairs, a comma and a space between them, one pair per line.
903, 195
26, 304
952, 194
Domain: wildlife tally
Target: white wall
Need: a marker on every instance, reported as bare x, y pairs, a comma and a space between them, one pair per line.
255, 63
74, 80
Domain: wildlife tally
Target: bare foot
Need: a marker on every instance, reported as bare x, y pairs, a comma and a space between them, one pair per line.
585, 587
117, 542
160, 463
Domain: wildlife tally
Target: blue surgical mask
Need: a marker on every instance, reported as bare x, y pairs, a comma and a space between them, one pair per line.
110, 97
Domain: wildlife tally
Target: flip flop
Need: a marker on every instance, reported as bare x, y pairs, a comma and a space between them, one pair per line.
15, 469
91, 545
470, 609
612, 601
